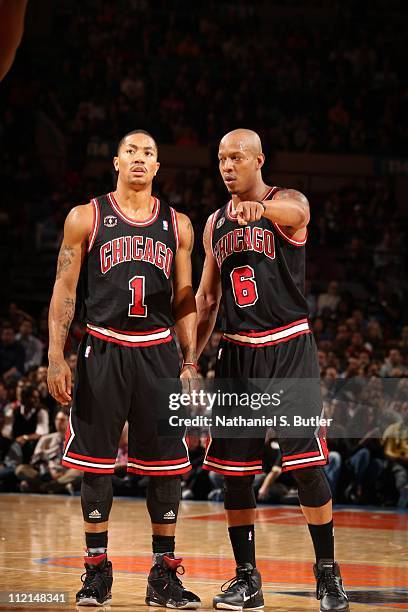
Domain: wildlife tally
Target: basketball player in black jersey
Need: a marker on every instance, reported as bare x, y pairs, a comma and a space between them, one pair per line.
255, 261
134, 251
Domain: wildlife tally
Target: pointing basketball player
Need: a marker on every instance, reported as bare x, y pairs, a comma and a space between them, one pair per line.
255, 261
134, 251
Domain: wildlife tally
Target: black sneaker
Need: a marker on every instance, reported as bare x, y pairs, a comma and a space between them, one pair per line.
243, 592
97, 579
165, 589
329, 588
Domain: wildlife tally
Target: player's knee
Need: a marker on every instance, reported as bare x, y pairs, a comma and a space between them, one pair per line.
313, 486
239, 492
96, 497
163, 498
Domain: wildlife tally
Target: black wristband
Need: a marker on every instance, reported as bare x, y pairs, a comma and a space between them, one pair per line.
262, 204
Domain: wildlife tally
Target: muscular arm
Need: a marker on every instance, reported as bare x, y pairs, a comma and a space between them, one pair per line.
77, 228
11, 31
184, 307
288, 208
209, 293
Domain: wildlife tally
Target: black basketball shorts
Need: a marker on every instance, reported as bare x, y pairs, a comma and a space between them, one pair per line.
114, 383
242, 356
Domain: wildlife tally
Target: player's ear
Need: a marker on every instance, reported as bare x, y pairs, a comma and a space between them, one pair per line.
157, 168
116, 163
260, 160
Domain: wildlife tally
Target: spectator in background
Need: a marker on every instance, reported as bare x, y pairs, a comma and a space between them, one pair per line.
393, 366
12, 355
27, 420
327, 302
395, 443
16, 316
32, 346
44, 473
9, 460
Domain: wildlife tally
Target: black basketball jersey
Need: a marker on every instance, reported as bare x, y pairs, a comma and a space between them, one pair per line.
127, 274
262, 272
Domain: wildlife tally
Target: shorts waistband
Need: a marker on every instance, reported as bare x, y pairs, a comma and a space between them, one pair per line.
270, 336
126, 338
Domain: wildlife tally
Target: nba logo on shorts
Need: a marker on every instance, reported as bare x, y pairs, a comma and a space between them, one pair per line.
87, 351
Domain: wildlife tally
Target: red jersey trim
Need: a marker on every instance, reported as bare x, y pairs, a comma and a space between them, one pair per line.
213, 218
129, 343
175, 226
229, 213
297, 243
299, 466
85, 468
148, 472
158, 463
121, 214
272, 331
272, 343
89, 458
255, 463
95, 224
141, 333
226, 472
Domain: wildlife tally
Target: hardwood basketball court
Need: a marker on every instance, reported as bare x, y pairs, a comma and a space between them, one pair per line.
41, 542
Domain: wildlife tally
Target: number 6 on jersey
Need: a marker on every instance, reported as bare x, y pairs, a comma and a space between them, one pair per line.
137, 307
244, 286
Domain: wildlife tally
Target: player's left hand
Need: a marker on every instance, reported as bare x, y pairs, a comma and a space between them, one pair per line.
249, 211
189, 372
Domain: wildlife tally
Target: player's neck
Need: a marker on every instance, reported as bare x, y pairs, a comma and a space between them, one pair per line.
256, 193
132, 200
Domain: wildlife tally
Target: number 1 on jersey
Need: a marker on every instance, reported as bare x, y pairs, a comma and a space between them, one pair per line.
137, 306
244, 286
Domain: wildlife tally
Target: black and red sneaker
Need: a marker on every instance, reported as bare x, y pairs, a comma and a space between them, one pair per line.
164, 587
97, 582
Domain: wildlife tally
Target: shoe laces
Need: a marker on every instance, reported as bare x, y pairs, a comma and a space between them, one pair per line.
174, 574
93, 577
328, 583
237, 583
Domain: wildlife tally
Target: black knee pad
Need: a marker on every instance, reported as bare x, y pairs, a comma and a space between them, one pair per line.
239, 493
163, 498
313, 486
96, 497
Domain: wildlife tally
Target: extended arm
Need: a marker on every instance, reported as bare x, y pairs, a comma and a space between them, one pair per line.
62, 308
209, 293
184, 307
288, 208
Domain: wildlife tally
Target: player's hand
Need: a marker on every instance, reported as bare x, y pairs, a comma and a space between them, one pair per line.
249, 211
59, 380
189, 372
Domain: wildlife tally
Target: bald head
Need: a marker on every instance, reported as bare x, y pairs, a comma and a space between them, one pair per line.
245, 140
241, 159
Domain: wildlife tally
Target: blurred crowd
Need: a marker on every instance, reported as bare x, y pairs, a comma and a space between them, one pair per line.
155, 67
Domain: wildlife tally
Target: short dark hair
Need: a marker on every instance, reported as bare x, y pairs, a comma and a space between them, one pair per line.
121, 141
